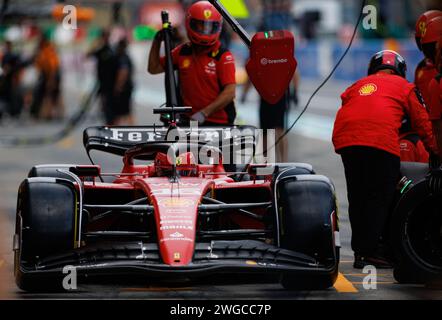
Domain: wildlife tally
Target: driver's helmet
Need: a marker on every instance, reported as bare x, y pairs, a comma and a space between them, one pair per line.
185, 164
203, 23
388, 59
421, 24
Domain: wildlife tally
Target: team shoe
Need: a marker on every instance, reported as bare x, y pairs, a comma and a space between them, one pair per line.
378, 262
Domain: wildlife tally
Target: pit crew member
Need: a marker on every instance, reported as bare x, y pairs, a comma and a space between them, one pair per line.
366, 135
425, 71
206, 70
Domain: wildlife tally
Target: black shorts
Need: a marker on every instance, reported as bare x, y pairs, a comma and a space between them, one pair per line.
273, 115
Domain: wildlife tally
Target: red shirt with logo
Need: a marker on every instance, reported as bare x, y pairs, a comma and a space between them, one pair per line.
202, 76
435, 102
425, 72
372, 111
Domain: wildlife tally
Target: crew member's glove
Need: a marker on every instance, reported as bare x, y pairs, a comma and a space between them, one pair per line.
199, 116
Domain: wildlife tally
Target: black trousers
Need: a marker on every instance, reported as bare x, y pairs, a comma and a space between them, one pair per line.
371, 175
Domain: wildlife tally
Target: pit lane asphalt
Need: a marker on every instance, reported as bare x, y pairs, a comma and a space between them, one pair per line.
307, 144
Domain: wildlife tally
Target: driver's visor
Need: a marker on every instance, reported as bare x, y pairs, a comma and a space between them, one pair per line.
205, 27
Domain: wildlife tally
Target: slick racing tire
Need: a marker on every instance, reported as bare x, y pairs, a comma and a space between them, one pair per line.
51, 170
306, 209
46, 220
417, 235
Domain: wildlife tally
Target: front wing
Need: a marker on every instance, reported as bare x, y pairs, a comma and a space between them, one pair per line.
215, 257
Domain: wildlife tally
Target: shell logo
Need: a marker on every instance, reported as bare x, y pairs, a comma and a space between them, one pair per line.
207, 14
368, 89
186, 63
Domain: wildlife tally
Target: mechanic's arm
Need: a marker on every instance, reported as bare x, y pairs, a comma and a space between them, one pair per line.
420, 121
224, 98
154, 65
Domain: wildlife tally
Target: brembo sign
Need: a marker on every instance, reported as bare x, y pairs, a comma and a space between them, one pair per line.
265, 61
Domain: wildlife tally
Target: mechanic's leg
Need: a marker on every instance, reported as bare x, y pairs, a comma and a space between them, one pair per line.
352, 159
381, 176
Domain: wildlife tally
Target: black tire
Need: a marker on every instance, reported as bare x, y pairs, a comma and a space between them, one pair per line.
416, 235
45, 225
306, 206
51, 170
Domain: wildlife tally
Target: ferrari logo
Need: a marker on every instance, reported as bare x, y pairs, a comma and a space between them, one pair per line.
423, 28
207, 13
176, 256
368, 89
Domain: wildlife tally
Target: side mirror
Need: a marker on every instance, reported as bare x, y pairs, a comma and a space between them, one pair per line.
272, 63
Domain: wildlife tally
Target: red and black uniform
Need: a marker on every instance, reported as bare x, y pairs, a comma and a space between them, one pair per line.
366, 135
425, 72
202, 77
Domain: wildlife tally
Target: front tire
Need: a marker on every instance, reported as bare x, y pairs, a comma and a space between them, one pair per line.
307, 212
417, 235
46, 221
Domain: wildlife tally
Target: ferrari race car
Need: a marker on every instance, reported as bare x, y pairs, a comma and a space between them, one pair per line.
174, 213
183, 205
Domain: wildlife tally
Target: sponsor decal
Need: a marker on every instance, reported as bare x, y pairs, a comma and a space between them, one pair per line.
182, 221
176, 227
186, 63
177, 235
368, 89
423, 28
211, 67
265, 61
251, 262
176, 239
176, 202
207, 13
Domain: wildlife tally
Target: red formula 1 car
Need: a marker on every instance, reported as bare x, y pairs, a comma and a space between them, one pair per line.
179, 208
168, 214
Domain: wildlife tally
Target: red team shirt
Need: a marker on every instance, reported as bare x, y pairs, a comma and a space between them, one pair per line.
372, 111
203, 76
